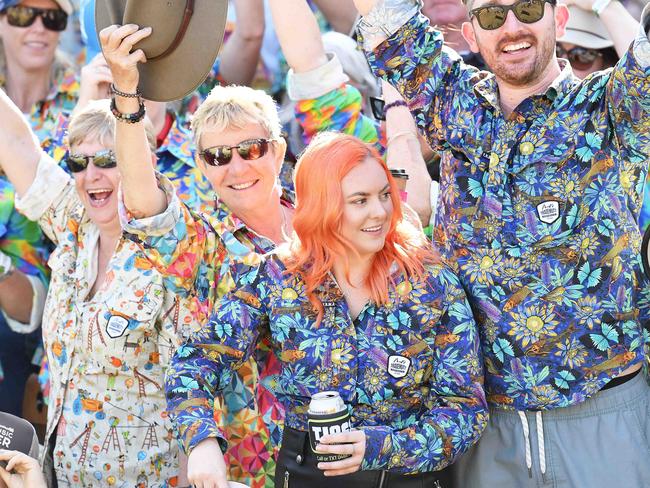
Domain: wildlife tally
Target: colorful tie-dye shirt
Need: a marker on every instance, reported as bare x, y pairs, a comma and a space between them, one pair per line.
20, 239
198, 254
416, 418
539, 209
107, 352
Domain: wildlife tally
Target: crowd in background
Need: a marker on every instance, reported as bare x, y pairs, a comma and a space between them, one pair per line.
310, 64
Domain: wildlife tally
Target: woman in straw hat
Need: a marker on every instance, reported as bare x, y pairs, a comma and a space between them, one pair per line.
110, 323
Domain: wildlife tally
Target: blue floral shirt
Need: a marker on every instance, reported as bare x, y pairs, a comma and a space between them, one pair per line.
417, 421
539, 209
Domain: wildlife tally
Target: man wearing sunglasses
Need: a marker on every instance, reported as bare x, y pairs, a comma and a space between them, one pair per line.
540, 192
38, 80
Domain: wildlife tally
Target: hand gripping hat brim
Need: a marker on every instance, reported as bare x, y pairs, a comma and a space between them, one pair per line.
183, 46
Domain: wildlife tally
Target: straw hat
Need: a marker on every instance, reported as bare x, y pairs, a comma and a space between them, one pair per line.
184, 43
584, 29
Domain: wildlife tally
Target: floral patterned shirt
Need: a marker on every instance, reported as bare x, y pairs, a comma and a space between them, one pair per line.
539, 209
198, 254
416, 419
45, 116
107, 352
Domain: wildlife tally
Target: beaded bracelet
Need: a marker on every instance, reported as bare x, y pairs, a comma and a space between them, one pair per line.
115, 91
128, 118
396, 103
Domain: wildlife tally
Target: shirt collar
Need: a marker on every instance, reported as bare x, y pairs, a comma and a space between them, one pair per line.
487, 89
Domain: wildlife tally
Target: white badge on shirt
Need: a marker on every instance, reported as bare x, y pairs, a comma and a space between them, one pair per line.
116, 326
548, 212
398, 366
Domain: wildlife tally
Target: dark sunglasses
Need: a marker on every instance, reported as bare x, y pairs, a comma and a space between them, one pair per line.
492, 17
20, 16
248, 150
581, 58
101, 159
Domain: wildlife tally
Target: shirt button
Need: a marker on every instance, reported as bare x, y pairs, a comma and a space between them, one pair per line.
526, 148
299, 459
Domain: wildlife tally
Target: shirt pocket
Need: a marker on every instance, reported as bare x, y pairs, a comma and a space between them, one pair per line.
544, 205
121, 333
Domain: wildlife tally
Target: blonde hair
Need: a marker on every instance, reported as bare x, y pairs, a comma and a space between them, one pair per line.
97, 122
235, 106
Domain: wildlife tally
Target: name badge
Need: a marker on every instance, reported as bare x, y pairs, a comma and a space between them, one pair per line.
548, 212
116, 326
398, 366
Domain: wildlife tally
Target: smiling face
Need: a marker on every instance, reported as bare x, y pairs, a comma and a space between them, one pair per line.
367, 207
31, 48
97, 188
517, 53
244, 185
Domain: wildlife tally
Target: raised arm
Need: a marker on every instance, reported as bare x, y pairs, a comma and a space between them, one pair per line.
19, 148
620, 25
241, 53
340, 14
299, 34
142, 196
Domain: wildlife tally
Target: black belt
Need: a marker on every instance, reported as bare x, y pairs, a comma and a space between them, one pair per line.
296, 468
619, 380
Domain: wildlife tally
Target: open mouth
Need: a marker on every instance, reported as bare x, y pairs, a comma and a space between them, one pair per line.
99, 197
243, 186
516, 48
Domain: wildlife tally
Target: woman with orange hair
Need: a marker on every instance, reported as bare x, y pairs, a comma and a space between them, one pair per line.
357, 303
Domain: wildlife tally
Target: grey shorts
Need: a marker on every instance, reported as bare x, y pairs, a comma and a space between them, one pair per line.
603, 442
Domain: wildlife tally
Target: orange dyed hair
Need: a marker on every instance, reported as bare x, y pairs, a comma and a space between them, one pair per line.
318, 242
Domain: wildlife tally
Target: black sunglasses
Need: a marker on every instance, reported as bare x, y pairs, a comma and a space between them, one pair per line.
492, 17
21, 16
248, 150
581, 58
101, 159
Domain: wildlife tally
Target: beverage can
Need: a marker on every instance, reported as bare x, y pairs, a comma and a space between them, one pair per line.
327, 414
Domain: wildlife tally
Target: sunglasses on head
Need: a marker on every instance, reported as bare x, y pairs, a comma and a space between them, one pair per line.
492, 17
248, 150
101, 159
21, 16
581, 58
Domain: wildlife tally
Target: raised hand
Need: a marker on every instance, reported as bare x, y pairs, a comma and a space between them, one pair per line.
117, 45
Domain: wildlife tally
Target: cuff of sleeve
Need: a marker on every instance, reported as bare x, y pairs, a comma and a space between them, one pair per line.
198, 431
386, 17
156, 225
376, 457
317, 82
642, 44
38, 302
49, 182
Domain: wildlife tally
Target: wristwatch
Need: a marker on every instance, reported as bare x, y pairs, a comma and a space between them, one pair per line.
600, 5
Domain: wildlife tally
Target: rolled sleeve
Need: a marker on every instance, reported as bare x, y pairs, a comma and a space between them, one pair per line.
50, 181
156, 225
641, 46
317, 82
38, 303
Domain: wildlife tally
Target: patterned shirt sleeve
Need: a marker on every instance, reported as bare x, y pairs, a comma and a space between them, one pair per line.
203, 366
629, 101
431, 78
176, 242
51, 200
457, 412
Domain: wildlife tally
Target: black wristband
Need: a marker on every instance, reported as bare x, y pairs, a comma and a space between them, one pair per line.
128, 118
396, 103
115, 91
